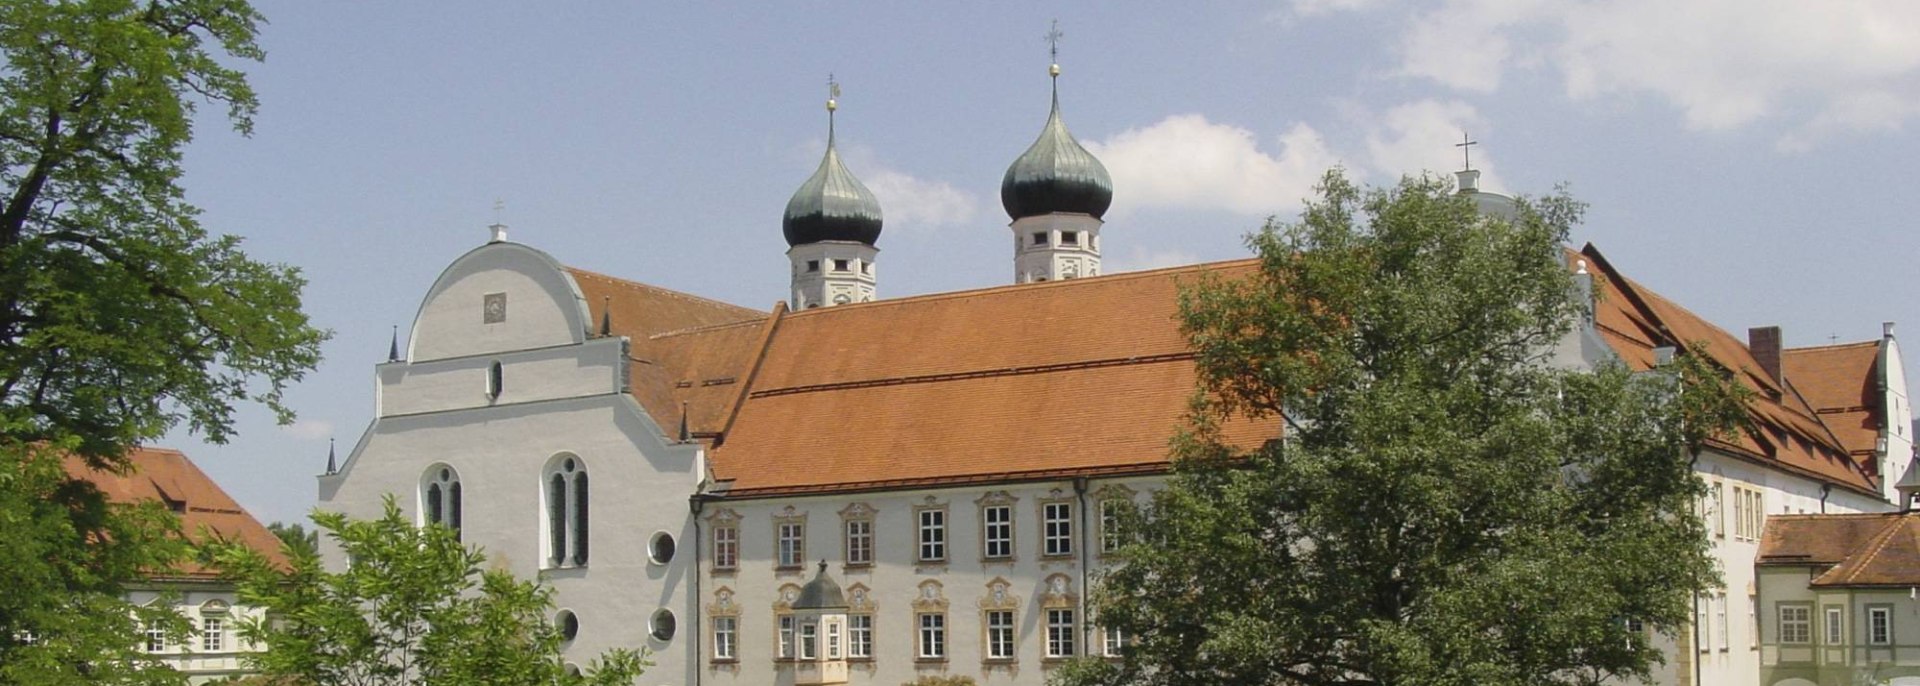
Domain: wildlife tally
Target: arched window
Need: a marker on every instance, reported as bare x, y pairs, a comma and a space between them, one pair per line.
440, 497
566, 489
496, 381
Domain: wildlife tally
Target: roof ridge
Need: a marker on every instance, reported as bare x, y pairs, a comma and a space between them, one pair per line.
978, 373
995, 290
1880, 543
578, 272
1873, 343
703, 329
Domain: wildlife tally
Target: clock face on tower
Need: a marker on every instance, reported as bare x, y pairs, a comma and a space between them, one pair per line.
493, 308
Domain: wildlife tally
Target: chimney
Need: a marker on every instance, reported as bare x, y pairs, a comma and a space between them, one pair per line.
1764, 341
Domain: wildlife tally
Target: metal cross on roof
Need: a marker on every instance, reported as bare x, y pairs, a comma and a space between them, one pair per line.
498, 207
833, 86
1053, 40
1466, 149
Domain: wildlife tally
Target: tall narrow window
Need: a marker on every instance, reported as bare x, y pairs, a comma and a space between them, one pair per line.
1112, 640
997, 534
496, 381
1056, 518
833, 640
156, 638
1000, 635
1880, 626
859, 636
440, 497
1111, 536
1060, 633
933, 535
453, 506
726, 546
213, 635
724, 631
556, 519
580, 518
1836, 627
933, 636
859, 541
786, 637
1720, 617
809, 640
433, 503
793, 543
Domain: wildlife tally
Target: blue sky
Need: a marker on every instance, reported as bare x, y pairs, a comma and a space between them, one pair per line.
1752, 159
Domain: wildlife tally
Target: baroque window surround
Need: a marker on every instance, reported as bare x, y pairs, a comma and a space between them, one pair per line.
999, 540
860, 639
723, 608
785, 626
931, 601
789, 541
857, 535
930, 533
723, 550
1108, 499
999, 598
1056, 533
1057, 597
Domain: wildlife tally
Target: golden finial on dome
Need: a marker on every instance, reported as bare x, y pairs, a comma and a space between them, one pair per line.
833, 93
1053, 48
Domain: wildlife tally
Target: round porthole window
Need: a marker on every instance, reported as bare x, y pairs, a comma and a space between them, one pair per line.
663, 625
568, 624
660, 549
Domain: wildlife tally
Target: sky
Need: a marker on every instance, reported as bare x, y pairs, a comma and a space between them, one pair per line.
1752, 159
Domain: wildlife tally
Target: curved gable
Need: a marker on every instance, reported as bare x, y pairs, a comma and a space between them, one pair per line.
496, 298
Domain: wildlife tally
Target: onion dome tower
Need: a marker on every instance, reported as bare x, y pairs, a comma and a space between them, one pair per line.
1056, 193
831, 225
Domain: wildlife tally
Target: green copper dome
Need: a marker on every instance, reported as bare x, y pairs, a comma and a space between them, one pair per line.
832, 205
1056, 174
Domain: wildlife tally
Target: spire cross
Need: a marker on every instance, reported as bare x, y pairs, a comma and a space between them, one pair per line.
833, 103
1466, 149
1053, 40
498, 207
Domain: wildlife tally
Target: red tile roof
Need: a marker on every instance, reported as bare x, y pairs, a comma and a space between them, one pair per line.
167, 476
1787, 433
1841, 383
1879, 549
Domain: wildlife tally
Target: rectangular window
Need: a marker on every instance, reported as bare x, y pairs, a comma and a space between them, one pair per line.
997, 537
1796, 623
859, 542
726, 547
1057, 520
809, 640
793, 544
1059, 633
156, 638
724, 630
1039, 238
1720, 616
1702, 619
813, 265
1880, 626
785, 649
1717, 517
1069, 238
1112, 640
933, 636
866, 267
833, 640
213, 635
1836, 626
859, 636
933, 535
1753, 622
842, 266
1111, 538
1000, 635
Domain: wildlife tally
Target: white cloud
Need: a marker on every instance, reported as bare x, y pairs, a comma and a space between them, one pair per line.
1848, 65
1185, 161
309, 429
909, 202
1139, 257
1309, 8
1420, 137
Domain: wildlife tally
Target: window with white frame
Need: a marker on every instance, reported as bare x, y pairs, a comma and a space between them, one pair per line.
793, 543
726, 546
1749, 513
1836, 626
933, 534
1796, 623
933, 636
859, 636
1000, 635
1060, 633
1717, 516
1056, 521
1702, 616
567, 515
1720, 617
809, 640
156, 638
996, 539
859, 541
785, 649
1753, 622
725, 630
1111, 536
1112, 640
833, 640
213, 634
1880, 625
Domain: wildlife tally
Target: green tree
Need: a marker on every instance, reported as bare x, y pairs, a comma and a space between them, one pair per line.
1446, 506
120, 316
412, 607
296, 538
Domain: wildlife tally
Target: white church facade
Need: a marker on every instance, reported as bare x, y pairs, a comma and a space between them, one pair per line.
679, 469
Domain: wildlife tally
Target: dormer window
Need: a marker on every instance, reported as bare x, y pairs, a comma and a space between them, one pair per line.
1069, 238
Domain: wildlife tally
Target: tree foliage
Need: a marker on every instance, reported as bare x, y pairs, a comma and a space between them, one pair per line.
120, 316
412, 607
1447, 506
296, 538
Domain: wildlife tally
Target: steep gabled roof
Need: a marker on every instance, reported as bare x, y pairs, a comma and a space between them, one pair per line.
1084, 376
168, 477
1787, 433
1841, 382
1879, 549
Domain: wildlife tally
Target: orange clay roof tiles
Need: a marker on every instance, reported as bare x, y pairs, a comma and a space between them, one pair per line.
1838, 381
1787, 432
1880, 549
167, 476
